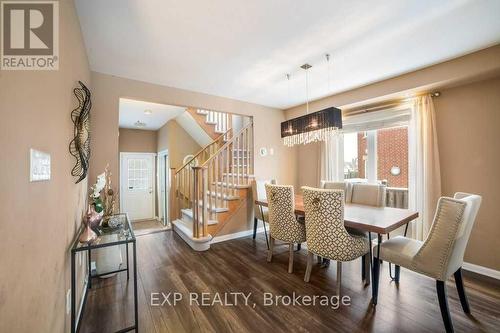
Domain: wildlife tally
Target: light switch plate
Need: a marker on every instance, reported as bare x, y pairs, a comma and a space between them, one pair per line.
39, 166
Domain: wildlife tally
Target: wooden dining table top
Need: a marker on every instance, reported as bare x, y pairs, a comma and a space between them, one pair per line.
381, 220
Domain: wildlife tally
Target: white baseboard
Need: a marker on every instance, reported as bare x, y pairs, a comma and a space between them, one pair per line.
481, 270
236, 235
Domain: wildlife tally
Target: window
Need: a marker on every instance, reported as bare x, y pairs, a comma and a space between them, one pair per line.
138, 174
351, 156
378, 155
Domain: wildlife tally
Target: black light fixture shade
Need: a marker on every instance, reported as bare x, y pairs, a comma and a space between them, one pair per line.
311, 127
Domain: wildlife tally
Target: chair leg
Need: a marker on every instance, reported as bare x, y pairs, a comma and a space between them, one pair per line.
307, 276
363, 265
299, 246
397, 272
270, 251
339, 276
443, 305
366, 268
255, 221
461, 291
290, 257
319, 259
265, 233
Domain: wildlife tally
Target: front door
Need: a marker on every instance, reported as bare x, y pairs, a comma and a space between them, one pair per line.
137, 186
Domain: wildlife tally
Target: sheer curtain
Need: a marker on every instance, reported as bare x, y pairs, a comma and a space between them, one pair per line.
425, 177
331, 166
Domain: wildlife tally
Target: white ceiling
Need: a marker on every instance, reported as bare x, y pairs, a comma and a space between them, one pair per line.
243, 49
132, 111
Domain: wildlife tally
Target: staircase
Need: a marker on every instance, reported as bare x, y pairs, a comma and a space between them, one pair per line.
212, 122
210, 188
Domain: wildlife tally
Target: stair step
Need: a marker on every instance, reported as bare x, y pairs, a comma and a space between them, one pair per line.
232, 185
219, 132
189, 214
204, 112
224, 197
210, 122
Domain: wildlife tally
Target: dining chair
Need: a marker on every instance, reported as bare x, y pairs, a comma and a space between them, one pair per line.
260, 212
345, 186
441, 254
326, 235
367, 194
283, 224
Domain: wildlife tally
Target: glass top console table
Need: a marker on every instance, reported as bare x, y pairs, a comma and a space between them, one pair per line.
122, 235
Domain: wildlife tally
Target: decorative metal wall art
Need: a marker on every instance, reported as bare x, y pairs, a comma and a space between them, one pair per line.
79, 147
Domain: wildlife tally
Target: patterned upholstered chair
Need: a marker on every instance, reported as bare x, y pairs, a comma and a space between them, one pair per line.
283, 224
326, 234
367, 194
260, 213
441, 254
347, 188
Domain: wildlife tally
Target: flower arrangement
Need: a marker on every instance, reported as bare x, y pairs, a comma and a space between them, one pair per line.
103, 196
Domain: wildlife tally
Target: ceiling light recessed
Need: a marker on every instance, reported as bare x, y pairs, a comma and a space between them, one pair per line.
148, 111
139, 123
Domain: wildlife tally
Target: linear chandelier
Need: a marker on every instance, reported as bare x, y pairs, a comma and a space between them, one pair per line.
311, 127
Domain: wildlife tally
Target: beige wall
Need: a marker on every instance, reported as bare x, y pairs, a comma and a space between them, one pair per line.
468, 119
178, 142
137, 141
39, 220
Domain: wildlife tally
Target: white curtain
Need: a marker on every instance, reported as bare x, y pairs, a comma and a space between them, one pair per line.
425, 178
331, 166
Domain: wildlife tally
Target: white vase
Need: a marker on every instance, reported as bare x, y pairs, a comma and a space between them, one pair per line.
108, 259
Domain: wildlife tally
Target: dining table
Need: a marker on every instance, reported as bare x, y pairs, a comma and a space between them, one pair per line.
368, 219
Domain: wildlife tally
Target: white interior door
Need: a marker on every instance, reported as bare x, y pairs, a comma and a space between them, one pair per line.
137, 185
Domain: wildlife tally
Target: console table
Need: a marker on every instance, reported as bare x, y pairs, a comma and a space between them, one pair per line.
121, 235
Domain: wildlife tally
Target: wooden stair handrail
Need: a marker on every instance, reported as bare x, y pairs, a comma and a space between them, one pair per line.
202, 150
228, 142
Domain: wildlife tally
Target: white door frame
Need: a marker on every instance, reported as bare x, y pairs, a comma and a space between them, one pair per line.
160, 171
122, 155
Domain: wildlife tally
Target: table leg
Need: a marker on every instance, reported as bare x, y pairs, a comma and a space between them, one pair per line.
128, 262
376, 271
73, 286
136, 309
371, 254
89, 259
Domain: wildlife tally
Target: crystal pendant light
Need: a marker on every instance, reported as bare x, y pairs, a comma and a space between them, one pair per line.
311, 127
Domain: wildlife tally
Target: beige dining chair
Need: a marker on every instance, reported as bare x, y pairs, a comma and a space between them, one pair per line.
441, 254
345, 186
367, 194
260, 212
283, 224
326, 235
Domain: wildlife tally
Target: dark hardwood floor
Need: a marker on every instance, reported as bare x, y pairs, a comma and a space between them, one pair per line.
167, 264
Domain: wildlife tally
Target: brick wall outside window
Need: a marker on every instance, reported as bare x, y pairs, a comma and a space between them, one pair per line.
392, 150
